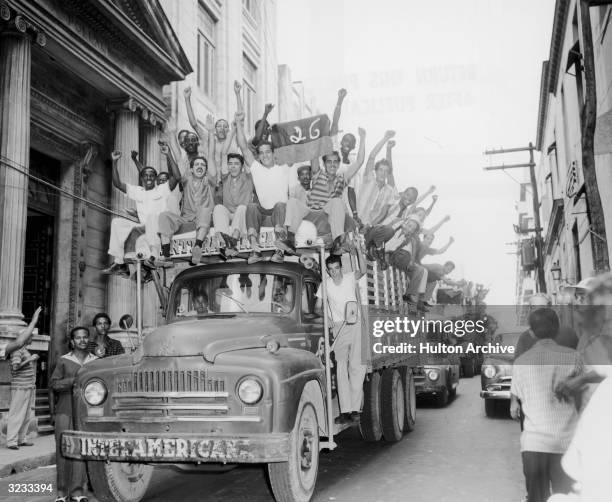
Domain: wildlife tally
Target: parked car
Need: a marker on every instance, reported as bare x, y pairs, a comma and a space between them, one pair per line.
496, 374
440, 376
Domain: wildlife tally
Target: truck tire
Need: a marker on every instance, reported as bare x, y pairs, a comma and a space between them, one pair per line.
294, 480
442, 398
370, 425
409, 400
119, 481
490, 408
393, 411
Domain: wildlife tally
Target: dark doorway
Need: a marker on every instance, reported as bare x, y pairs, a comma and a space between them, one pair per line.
39, 247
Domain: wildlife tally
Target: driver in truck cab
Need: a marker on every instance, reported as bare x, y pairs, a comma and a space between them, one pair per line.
350, 370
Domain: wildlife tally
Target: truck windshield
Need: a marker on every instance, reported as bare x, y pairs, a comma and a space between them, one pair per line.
232, 293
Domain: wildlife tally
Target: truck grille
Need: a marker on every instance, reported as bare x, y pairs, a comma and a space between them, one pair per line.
171, 381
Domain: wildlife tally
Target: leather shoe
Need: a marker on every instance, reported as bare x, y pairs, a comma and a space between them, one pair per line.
26, 443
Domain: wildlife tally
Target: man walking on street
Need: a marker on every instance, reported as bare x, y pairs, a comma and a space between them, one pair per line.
350, 371
23, 391
549, 422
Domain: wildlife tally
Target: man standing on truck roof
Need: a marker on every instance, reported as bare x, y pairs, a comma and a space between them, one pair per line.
350, 370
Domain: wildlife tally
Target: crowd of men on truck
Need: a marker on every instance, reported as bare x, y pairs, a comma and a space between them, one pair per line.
235, 187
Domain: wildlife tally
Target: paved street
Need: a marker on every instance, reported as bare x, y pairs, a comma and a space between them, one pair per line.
455, 454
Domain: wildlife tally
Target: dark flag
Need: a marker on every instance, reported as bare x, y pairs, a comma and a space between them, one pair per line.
301, 140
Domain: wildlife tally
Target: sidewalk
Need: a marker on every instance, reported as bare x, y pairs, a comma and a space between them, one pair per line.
27, 457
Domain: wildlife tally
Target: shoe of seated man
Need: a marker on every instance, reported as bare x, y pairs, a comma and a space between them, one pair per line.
355, 417
285, 245
343, 418
278, 256
196, 255
119, 269
255, 257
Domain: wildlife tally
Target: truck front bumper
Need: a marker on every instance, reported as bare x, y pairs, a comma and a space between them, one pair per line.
428, 388
175, 448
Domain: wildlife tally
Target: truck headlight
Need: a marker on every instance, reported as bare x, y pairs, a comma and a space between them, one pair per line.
249, 390
95, 392
489, 371
433, 375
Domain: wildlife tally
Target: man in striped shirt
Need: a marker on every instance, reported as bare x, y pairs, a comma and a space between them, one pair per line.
23, 390
324, 202
549, 422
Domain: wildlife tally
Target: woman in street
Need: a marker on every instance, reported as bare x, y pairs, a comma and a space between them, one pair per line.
71, 474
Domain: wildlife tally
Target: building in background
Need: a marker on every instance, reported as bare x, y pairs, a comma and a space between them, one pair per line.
293, 102
564, 210
224, 41
77, 80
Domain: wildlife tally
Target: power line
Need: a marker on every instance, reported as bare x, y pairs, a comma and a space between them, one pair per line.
21, 169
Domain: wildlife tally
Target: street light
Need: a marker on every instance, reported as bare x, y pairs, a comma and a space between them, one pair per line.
556, 271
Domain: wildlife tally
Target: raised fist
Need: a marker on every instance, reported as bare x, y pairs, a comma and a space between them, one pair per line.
361, 131
451, 239
432, 188
237, 86
187, 91
135, 155
391, 144
342, 93
389, 134
447, 217
434, 197
163, 146
210, 122
268, 108
116, 155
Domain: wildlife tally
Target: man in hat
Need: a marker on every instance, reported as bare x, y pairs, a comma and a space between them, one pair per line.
151, 200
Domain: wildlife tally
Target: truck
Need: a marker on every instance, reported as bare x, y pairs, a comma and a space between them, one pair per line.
240, 373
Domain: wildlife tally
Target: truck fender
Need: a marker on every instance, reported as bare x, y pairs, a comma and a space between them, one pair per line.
312, 392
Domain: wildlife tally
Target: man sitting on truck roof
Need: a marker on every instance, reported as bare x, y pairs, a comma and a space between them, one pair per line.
198, 187
350, 371
151, 200
438, 272
324, 202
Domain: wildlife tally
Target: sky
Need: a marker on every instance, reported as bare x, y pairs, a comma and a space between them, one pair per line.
453, 79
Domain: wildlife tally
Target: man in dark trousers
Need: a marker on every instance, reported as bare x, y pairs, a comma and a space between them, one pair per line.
549, 422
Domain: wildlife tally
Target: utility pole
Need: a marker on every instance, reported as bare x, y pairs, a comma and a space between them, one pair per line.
541, 283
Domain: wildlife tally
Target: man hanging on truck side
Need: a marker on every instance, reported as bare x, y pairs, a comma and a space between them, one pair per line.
350, 370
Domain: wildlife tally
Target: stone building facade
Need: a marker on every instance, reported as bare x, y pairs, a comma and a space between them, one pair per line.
77, 79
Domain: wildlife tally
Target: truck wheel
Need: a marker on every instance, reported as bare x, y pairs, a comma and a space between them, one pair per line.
490, 408
468, 369
409, 400
294, 480
370, 425
442, 398
393, 405
119, 481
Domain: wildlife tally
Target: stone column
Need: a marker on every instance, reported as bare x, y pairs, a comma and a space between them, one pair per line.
151, 156
15, 58
122, 292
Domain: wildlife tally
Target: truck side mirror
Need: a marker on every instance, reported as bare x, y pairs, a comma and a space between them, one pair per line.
351, 312
126, 321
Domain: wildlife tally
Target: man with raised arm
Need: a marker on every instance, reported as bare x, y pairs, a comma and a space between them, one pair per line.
263, 130
151, 200
198, 203
325, 198
174, 200
426, 248
350, 370
223, 138
376, 194
271, 183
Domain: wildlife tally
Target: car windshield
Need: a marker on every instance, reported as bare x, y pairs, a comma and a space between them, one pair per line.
232, 293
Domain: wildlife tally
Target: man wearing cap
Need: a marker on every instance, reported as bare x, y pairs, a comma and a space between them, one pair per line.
151, 200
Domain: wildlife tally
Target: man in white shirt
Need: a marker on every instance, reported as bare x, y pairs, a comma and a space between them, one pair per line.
271, 182
350, 370
151, 200
377, 191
